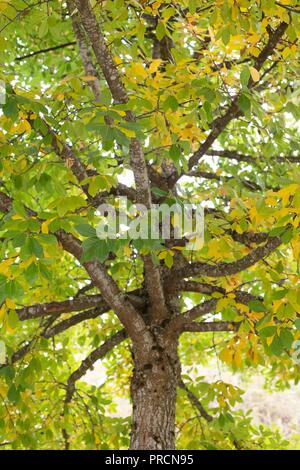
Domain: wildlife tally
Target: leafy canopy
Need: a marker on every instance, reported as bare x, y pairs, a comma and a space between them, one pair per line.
213, 86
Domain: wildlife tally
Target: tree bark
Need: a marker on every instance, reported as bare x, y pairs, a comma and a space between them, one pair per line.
153, 393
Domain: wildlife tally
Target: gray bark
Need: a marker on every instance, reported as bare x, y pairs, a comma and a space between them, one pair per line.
153, 393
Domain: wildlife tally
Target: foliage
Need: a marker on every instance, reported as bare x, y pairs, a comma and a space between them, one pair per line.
214, 92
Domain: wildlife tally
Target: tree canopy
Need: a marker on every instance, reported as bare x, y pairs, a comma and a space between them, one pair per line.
191, 101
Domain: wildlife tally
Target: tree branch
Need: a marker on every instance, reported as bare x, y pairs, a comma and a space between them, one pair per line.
44, 51
226, 269
117, 300
252, 185
74, 320
205, 327
209, 289
233, 111
90, 360
65, 306
137, 160
84, 50
195, 402
232, 155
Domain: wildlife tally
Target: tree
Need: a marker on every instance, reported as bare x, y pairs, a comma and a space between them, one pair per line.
198, 100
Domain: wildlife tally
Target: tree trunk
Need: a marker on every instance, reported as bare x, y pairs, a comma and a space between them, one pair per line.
153, 393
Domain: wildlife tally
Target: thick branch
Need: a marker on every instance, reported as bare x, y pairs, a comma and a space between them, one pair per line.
137, 160
226, 269
117, 300
84, 50
205, 327
65, 306
74, 320
101, 51
5, 203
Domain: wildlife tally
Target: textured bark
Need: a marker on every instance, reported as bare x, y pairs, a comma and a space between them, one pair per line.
226, 269
137, 159
153, 393
84, 50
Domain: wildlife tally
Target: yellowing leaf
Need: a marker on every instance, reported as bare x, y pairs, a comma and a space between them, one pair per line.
154, 65
2, 311
60, 97
45, 225
4, 266
139, 71
254, 74
10, 303
88, 78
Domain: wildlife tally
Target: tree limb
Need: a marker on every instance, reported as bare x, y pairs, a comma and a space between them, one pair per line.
226, 269
232, 155
233, 111
205, 327
84, 50
65, 306
195, 402
90, 360
117, 300
137, 159
44, 51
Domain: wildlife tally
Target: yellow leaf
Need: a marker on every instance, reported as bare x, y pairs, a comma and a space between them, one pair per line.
163, 254
226, 355
2, 311
17, 217
254, 74
10, 304
154, 65
238, 359
88, 78
139, 71
45, 226
128, 132
127, 250
4, 266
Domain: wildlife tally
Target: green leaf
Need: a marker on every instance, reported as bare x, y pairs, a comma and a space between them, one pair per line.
13, 319
226, 35
286, 338
160, 30
245, 77
244, 104
34, 247
95, 248
13, 394
267, 331
276, 347
287, 236
86, 230
174, 152
170, 103
256, 306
